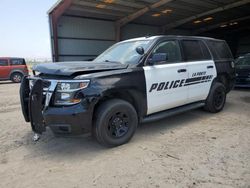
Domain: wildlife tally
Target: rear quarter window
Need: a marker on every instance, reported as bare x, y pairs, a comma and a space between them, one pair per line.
195, 50
17, 62
220, 50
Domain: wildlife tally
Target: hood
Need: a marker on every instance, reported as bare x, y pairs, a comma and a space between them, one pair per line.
70, 68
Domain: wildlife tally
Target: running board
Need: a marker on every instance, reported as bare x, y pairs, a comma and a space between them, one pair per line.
171, 112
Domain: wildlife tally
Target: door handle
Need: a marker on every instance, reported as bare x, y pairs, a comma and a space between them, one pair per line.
210, 67
182, 70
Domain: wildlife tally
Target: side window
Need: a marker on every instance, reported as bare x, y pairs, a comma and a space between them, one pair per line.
3, 62
220, 50
166, 52
17, 62
205, 52
195, 50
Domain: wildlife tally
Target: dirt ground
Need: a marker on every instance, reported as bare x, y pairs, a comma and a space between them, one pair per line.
194, 149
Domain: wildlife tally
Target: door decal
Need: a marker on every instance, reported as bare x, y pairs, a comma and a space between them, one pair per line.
179, 83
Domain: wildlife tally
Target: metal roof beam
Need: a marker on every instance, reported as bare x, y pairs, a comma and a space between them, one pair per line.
109, 6
140, 12
213, 11
211, 27
133, 4
96, 10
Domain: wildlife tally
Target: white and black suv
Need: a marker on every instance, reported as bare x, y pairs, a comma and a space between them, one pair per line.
134, 81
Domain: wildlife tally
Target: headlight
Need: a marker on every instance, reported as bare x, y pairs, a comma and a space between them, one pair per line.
66, 92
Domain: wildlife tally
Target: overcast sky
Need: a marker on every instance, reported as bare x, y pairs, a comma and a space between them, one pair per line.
24, 28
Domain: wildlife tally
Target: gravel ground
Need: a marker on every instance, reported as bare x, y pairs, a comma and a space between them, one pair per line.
193, 149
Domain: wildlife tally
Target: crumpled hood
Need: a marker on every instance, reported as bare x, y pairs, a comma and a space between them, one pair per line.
69, 68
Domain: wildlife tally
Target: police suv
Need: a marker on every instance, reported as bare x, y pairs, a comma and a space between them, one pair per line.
134, 81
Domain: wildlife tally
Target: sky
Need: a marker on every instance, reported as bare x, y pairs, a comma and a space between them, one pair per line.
24, 28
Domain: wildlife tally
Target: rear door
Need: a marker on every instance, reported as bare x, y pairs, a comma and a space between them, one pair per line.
165, 79
201, 69
4, 69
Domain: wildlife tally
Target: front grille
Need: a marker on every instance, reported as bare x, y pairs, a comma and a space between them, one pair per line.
46, 83
48, 87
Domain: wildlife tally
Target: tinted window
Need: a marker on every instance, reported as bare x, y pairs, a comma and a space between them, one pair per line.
3, 62
206, 53
220, 50
195, 50
171, 49
17, 62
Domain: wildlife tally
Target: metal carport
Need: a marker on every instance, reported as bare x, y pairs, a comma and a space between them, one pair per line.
82, 29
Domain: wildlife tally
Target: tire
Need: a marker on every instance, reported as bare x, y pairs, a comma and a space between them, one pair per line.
216, 99
16, 77
115, 122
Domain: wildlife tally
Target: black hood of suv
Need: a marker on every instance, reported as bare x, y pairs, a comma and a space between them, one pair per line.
76, 68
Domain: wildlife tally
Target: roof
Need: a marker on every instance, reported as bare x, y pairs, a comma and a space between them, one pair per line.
57, 3
195, 15
170, 36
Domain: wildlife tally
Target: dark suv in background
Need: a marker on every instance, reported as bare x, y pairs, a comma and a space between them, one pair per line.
243, 71
13, 69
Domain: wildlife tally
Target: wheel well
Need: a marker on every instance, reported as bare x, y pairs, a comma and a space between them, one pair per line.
123, 95
224, 79
14, 72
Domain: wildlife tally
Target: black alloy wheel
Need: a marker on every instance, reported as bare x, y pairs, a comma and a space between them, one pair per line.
115, 122
216, 99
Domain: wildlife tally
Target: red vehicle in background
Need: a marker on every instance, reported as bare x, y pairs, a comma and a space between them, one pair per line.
13, 69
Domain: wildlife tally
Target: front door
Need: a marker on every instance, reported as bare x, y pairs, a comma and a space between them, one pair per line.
165, 79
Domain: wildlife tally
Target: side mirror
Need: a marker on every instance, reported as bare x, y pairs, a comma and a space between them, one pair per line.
158, 57
140, 50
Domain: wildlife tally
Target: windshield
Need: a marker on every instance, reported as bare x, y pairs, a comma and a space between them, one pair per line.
124, 52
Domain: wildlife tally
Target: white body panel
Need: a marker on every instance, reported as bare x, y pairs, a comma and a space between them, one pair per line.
165, 99
192, 86
199, 90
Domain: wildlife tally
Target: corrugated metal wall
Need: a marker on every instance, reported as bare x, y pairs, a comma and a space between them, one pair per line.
84, 39
135, 30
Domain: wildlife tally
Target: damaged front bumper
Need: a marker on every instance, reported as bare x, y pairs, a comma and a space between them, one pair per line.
37, 107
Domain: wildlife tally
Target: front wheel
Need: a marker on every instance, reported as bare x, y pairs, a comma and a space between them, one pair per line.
216, 99
115, 122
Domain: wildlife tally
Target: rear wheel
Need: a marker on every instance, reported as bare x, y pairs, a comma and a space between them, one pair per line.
16, 77
115, 122
216, 98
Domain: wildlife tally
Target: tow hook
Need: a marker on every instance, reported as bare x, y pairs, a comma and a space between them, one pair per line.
36, 137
